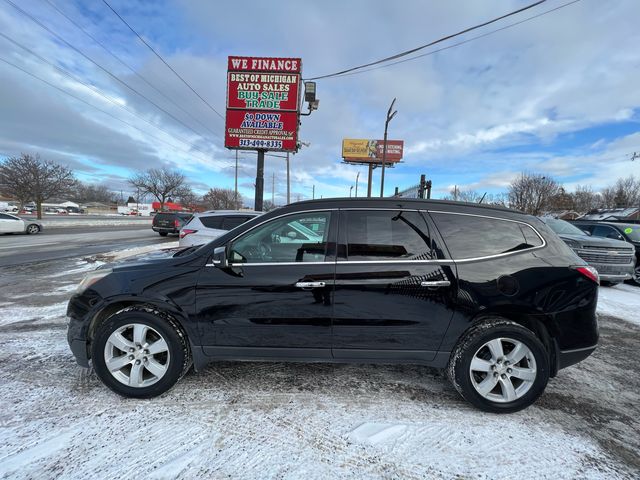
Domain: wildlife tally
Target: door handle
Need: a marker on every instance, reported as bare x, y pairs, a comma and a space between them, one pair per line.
310, 284
436, 284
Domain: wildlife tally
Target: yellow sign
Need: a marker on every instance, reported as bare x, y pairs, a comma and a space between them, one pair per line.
354, 148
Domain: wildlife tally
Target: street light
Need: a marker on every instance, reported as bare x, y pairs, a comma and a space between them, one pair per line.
384, 147
350, 188
357, 177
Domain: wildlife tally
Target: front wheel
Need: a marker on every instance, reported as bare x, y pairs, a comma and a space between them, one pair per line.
139, 353
499, 366
32, 229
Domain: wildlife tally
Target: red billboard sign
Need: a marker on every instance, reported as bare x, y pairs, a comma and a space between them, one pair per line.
265, 91
256, 129
263, 103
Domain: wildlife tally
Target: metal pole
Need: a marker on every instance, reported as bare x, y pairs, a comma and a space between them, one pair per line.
384, 147
258, 205
235, 198
350, 189
357, 177
369, 180
288, 181
313, 193
273, 188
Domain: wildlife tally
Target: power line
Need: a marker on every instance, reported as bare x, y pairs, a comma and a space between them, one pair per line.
97, 108
130, 68
462, 42
98, 92
35, 20
440, 40
162, 59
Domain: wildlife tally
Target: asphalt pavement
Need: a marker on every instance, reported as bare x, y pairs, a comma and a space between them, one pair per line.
75, 241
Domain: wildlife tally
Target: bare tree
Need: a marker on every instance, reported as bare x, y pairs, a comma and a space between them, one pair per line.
29, 177
222, 199
585, 199
531, 192
463, 195
162, 183
187, 197
268, 205
86, 192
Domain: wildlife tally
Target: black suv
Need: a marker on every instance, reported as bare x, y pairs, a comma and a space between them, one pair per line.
489, 294
628, 232
169, 222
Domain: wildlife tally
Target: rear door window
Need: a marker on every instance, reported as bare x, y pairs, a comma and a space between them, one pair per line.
469, 236
232, 222
387, 235
212, 221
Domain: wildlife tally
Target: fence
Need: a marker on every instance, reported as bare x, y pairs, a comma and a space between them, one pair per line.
421, 190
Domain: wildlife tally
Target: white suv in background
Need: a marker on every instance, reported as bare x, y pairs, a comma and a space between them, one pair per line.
207, 226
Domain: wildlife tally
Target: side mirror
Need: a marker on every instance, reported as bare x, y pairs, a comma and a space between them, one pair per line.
219, 257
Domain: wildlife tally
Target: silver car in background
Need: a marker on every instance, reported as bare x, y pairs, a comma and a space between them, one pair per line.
207, 226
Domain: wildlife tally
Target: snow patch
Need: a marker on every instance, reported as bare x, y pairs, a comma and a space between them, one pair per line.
621, 301
375, 433
21, 314
118, 255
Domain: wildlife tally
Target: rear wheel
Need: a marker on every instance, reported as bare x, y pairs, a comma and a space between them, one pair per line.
33, 228
139, 353
163, 234
499, 366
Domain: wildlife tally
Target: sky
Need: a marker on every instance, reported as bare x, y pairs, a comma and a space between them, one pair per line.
557, 94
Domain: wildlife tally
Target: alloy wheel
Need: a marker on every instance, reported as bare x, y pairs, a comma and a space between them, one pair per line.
136, 355
32, 229
503, 370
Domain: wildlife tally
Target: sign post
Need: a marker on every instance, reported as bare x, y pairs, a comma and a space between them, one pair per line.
263, 108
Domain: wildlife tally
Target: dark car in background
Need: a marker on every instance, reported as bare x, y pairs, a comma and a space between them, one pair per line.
169, 222
614, 259
491, 295
629, 232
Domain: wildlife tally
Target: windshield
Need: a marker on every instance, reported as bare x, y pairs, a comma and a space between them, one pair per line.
562, 227
632, 231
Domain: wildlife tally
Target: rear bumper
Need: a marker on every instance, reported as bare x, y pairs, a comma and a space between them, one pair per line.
165, 230
566, 358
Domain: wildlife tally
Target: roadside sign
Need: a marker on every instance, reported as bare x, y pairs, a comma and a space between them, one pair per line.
371, 151
263, 103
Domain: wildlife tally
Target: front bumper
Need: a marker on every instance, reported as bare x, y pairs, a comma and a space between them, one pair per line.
77, 343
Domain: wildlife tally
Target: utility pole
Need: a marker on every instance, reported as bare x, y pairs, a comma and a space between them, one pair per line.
384, 147
288, 181
273, 188
357, 177
369, 179
313, 192
259, 204
235, 198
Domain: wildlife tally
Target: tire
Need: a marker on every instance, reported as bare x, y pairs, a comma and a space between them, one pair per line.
495, 395
155, 373
32, 229
163, 234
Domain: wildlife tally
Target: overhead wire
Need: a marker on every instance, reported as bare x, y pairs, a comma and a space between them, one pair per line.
115, 77
422, 47
98, 108
129, 67
432, 52
163, 60
98, 92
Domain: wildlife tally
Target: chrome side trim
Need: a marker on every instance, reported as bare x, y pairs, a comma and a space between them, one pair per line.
592, 347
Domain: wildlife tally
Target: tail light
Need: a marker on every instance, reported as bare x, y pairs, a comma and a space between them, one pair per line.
186, 231
176, 223
589, 272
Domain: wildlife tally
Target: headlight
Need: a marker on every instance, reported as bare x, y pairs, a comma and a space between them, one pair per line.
91, 278
572, 243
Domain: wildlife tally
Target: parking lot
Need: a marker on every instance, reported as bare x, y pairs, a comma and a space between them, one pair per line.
251, 420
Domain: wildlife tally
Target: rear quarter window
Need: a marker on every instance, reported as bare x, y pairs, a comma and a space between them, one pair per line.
214, 221
469, 236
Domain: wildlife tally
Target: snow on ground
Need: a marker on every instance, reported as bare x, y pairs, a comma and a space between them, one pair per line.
291, 421
119, 255
622, 301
